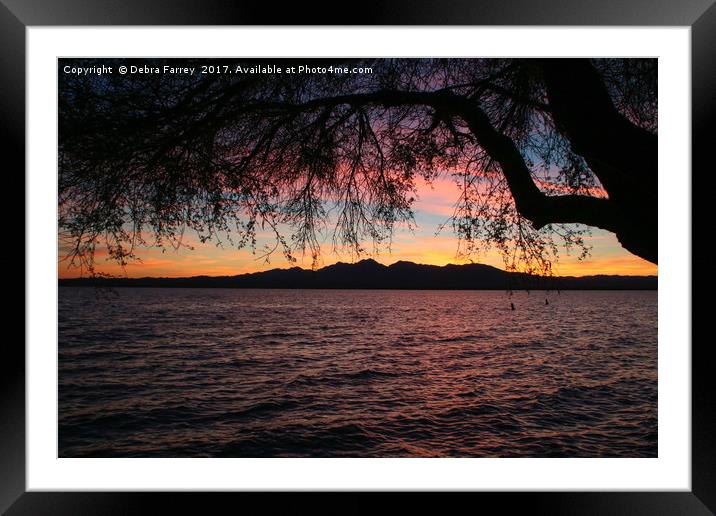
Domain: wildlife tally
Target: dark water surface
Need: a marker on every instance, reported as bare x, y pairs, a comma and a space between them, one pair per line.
356, 373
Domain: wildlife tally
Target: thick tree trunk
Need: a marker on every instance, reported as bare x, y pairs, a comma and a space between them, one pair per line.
623, 156
630, 211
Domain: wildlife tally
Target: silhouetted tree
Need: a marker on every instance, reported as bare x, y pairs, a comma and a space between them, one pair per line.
542, 150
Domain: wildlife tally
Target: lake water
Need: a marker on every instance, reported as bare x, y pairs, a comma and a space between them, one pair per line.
356, 373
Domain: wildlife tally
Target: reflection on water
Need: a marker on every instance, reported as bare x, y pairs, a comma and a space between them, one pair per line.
356, 373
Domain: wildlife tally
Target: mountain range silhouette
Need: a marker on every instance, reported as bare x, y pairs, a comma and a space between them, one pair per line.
369, 274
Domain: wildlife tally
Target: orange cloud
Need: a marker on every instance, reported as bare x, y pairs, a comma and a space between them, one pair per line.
438, 198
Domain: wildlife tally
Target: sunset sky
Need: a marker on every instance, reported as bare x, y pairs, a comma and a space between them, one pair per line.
434, 207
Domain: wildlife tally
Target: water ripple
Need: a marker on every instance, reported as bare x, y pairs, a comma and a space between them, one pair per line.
290, 373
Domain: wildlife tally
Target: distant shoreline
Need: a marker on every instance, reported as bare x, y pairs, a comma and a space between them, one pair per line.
357, 288
371, 275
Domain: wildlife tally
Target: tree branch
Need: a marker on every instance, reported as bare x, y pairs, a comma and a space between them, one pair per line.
530, 201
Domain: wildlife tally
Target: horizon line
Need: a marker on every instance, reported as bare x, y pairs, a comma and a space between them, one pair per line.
111, 277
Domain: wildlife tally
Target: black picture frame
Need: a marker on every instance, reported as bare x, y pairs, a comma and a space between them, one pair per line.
17, 15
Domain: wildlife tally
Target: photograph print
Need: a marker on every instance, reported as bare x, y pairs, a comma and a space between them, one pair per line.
379, 257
